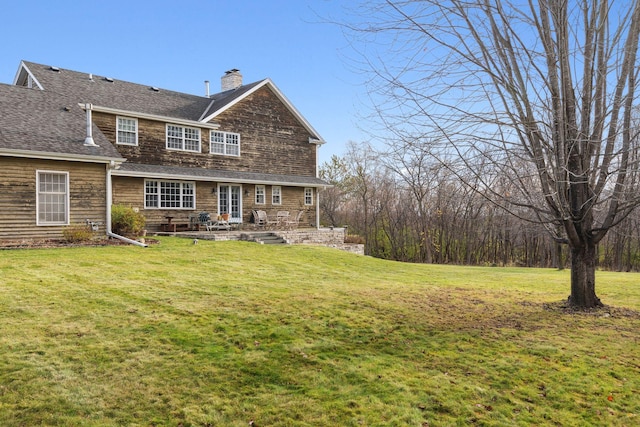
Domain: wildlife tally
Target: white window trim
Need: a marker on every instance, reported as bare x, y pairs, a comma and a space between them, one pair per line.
159, 207
67, 199
183, 139
118, 131
264, 194
225, 144
273, 188
310, 189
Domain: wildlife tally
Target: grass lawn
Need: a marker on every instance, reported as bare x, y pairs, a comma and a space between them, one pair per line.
225, 333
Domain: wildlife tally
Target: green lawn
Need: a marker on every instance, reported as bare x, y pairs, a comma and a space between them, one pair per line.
223, 333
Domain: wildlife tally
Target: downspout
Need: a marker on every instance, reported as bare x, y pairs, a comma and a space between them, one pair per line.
109, 200
317, 208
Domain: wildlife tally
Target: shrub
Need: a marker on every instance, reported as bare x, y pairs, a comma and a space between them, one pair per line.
126, 221
77, 233
354, 238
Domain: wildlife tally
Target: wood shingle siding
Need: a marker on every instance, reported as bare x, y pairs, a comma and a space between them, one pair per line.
18, 201
271, 140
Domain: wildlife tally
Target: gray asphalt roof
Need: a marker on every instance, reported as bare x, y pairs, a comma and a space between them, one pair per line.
37, 121
122, 95
136, 169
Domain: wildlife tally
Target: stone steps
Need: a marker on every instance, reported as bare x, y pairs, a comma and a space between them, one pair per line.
264, 238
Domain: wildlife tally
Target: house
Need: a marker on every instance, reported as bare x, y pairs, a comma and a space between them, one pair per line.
72, 144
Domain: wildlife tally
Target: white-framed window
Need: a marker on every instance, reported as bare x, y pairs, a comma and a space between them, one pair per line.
162, 194
127, 131
52, 201
260, 195
276, 195
183, 138
225, 143
308, 196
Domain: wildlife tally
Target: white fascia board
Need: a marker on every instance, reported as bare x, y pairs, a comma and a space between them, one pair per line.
60, 156
169, 176
280, 95
153, 117
234, 102
21, 68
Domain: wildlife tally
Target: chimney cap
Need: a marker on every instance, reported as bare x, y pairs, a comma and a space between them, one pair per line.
231, 71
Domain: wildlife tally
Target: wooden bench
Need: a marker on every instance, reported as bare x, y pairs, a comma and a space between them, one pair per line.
171, 226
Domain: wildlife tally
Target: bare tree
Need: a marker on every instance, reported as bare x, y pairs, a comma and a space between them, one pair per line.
541, 90
335, 172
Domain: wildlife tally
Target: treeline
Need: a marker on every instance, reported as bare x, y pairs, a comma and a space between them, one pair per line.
422, 213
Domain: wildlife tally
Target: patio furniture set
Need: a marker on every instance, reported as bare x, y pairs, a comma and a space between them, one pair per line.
203, 220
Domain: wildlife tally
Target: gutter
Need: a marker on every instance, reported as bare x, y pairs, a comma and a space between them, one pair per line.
48, 155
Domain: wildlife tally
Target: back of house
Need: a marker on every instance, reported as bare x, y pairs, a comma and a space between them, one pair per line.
73, 144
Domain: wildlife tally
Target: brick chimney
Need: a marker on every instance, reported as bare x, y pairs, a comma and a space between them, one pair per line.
232, 79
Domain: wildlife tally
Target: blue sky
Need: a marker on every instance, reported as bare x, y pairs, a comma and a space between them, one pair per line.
178, 45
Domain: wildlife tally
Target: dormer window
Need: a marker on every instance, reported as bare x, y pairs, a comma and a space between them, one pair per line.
127, 131
183, 138
225, 143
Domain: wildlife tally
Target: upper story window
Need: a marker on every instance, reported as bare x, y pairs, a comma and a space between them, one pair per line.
52, 203
225, 143
308, 196
127, 131
260, 195
169, 194
183, 138
276, 195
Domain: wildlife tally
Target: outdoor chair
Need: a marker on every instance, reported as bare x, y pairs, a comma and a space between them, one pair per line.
203, 220
221, 224
282, 217
259, 220
292, 223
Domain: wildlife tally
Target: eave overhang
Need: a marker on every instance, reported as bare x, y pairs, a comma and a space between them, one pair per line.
46, 155
165, 119
210, 175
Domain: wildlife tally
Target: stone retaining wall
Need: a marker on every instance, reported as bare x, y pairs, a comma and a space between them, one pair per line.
333, 238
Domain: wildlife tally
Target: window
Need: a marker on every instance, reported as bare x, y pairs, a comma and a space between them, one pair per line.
183, 138
169, 194
127, 131
276, 195
260, 195
225, 143
53, 198
308, 196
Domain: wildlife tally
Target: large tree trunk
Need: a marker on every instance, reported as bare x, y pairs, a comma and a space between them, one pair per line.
583, 277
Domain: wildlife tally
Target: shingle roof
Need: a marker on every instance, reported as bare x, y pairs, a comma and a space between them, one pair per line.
118, 94
44, 122
158, 171
133, 97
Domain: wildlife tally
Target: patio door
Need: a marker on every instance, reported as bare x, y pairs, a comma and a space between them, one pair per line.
230, 201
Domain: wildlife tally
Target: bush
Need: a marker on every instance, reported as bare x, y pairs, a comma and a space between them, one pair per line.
126, 221
77, 233
354, 238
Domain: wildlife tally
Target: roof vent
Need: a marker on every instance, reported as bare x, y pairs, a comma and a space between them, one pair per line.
109, 79
56, 69
155, 89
